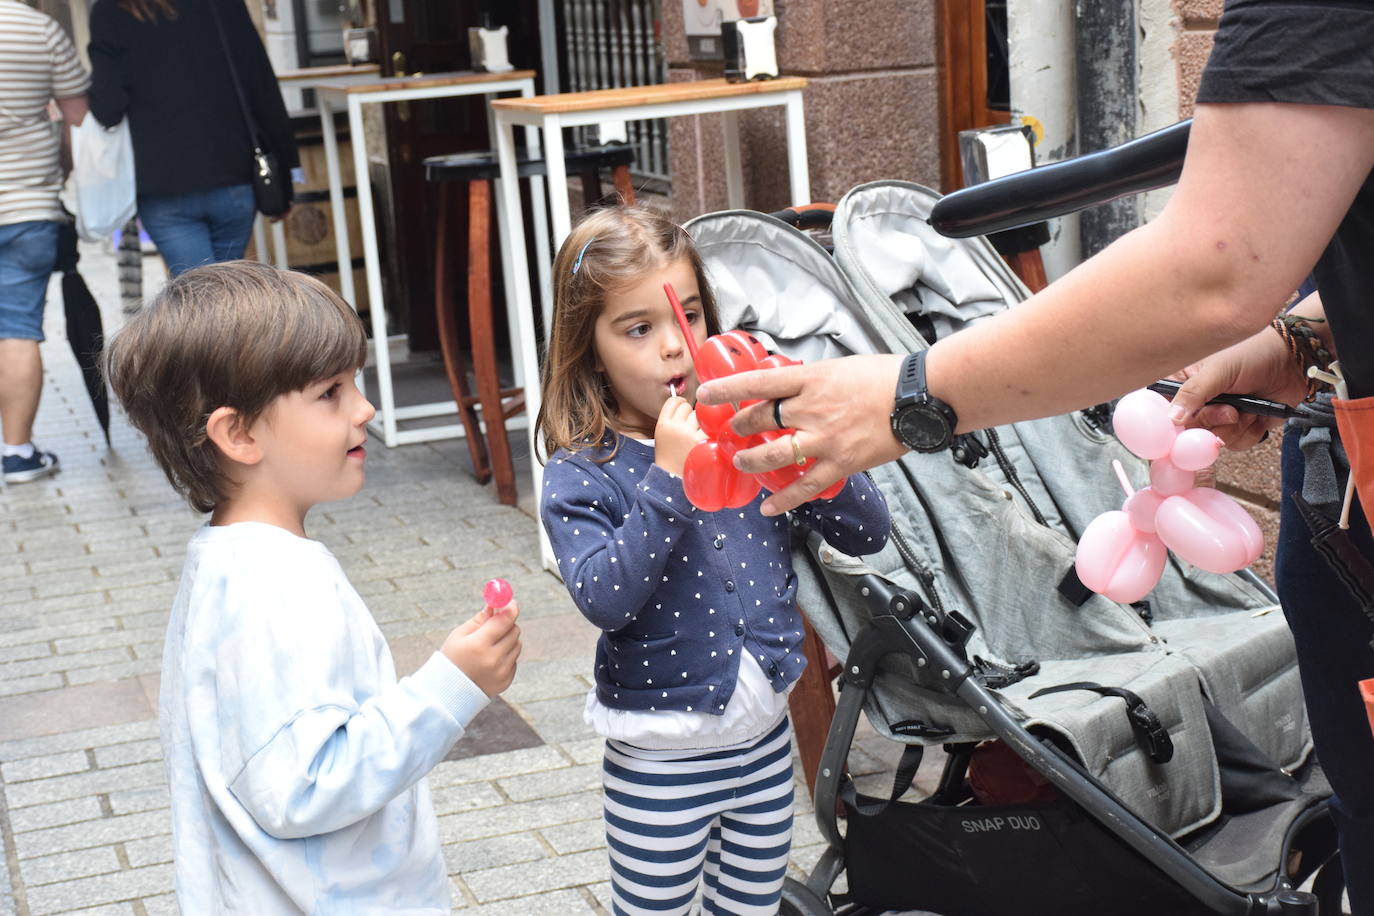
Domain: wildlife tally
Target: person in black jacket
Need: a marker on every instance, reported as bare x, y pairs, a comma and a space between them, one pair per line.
162, 64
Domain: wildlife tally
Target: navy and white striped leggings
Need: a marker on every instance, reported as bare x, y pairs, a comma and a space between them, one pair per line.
726, 815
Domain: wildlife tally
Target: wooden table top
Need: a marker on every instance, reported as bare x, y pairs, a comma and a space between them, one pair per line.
312, 73
633, 96
420, 81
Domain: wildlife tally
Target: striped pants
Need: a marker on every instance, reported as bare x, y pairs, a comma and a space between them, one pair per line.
724, 815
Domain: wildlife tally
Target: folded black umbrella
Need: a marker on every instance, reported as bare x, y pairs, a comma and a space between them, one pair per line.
85, 332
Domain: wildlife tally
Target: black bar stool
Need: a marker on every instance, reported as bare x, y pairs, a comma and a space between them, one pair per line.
491, 454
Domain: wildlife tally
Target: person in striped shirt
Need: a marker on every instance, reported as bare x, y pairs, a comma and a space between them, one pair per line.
37, 65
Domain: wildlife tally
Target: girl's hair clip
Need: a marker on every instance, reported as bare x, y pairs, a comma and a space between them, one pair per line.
577, 262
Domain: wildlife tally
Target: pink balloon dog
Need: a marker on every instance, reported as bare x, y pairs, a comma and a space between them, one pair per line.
1121, 555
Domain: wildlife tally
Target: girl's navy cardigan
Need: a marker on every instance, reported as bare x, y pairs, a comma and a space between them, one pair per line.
680, 593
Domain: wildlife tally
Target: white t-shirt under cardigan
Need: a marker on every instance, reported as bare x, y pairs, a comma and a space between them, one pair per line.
296, 759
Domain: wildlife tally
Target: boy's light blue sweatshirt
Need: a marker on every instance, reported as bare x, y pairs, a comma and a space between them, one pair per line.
296, 760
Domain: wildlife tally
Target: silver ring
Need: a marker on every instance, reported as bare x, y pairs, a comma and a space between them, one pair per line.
777, 413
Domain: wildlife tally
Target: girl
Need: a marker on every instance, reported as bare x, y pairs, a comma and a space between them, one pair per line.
701, 640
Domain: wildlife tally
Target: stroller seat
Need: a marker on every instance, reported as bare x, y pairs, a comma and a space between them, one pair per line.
949, 635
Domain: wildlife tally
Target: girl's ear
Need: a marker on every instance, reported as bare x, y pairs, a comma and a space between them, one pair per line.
232, 436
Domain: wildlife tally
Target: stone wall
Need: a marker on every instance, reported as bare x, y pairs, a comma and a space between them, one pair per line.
872, 106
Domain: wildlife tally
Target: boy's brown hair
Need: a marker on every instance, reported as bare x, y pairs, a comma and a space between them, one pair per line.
236, 334
608, 250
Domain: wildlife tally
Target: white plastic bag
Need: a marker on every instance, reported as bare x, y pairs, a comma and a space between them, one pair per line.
103, 173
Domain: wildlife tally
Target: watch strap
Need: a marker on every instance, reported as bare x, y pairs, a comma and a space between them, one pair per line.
912, 379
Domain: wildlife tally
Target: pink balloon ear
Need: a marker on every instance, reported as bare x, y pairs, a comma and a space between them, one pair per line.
1141, 421
1195, 449
1189, 529
1226, 511
1118, 561
1141, 506
1168, 479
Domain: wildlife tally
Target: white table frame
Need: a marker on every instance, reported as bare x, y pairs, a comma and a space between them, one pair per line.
330, 92
550, 125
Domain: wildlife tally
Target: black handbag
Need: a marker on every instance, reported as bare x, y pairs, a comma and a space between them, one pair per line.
271, 190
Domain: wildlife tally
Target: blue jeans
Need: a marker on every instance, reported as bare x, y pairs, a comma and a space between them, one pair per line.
202, 227
1332, 636
28, 253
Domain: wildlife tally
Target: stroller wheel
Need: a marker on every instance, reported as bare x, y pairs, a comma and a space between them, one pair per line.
1329, 888
798, 900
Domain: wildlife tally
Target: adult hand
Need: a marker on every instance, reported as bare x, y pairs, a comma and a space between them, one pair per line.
840, 409
1261, 366
675, 435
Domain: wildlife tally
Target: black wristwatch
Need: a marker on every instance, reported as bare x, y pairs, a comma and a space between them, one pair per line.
921, 421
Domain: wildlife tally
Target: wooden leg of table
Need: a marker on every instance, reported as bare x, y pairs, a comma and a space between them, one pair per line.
812, 705
484, 339
455, 366
620, 174
1030, 268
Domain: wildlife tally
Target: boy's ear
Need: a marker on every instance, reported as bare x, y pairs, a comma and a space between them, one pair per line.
232, 436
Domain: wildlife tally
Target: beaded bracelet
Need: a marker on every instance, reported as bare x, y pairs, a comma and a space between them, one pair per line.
1305, 347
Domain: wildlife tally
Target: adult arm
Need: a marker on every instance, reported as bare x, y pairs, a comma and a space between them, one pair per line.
1263, 188
109, 95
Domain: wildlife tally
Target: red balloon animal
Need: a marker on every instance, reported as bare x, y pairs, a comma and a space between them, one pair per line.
709, 477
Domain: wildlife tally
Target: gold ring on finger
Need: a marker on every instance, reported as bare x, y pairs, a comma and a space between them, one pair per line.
797, 455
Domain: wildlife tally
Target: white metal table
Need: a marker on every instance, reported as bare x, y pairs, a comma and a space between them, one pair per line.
353, 92
551, 113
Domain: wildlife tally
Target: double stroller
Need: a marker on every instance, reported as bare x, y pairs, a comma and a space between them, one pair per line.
1100, 758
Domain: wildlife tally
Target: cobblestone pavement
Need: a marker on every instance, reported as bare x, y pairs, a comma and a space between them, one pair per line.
89, 561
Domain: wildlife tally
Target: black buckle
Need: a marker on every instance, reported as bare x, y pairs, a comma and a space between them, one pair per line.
1150, 732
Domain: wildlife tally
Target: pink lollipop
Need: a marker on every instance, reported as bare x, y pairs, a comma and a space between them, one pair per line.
497, 593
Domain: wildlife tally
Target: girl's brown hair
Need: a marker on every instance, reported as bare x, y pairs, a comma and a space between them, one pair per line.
610, 249
236, 334
148, 10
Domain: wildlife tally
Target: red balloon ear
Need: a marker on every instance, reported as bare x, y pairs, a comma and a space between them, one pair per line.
714, 419
704, 476
776, 361
723, 355
749, 342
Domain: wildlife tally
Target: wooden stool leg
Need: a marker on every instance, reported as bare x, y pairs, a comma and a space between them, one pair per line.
1029, 266
484, 339
812, 705
620, 174
454, 364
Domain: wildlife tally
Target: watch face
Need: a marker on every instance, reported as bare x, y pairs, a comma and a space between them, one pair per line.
922, 428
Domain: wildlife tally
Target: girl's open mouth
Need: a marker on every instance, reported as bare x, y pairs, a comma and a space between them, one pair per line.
357, 451
676, 385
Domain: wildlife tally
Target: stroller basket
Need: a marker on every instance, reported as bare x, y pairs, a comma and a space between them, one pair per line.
1082, 853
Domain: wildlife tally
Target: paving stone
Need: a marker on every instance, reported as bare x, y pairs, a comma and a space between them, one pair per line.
149, 798
558, 719
124, 754
537, 877
151, 851
513, 818
68, 865
576, 837
128, 636
53, 663
112, 909
32, 684
559, 903
24, 652
104, 832
44, 767
495, 766
37, 631
122, 670
467, 797
72, 740
37, 817
587, 750
493, 851
91, 783
113, 888
161, 905
552, 782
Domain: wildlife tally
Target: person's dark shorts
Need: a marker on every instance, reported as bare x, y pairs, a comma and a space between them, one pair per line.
28, 253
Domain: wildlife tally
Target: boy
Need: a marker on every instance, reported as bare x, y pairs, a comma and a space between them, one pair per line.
296, 760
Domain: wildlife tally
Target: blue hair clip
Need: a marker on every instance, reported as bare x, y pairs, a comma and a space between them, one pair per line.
577, 262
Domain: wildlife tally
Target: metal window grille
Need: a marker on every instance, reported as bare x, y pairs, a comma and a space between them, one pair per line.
609, 44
